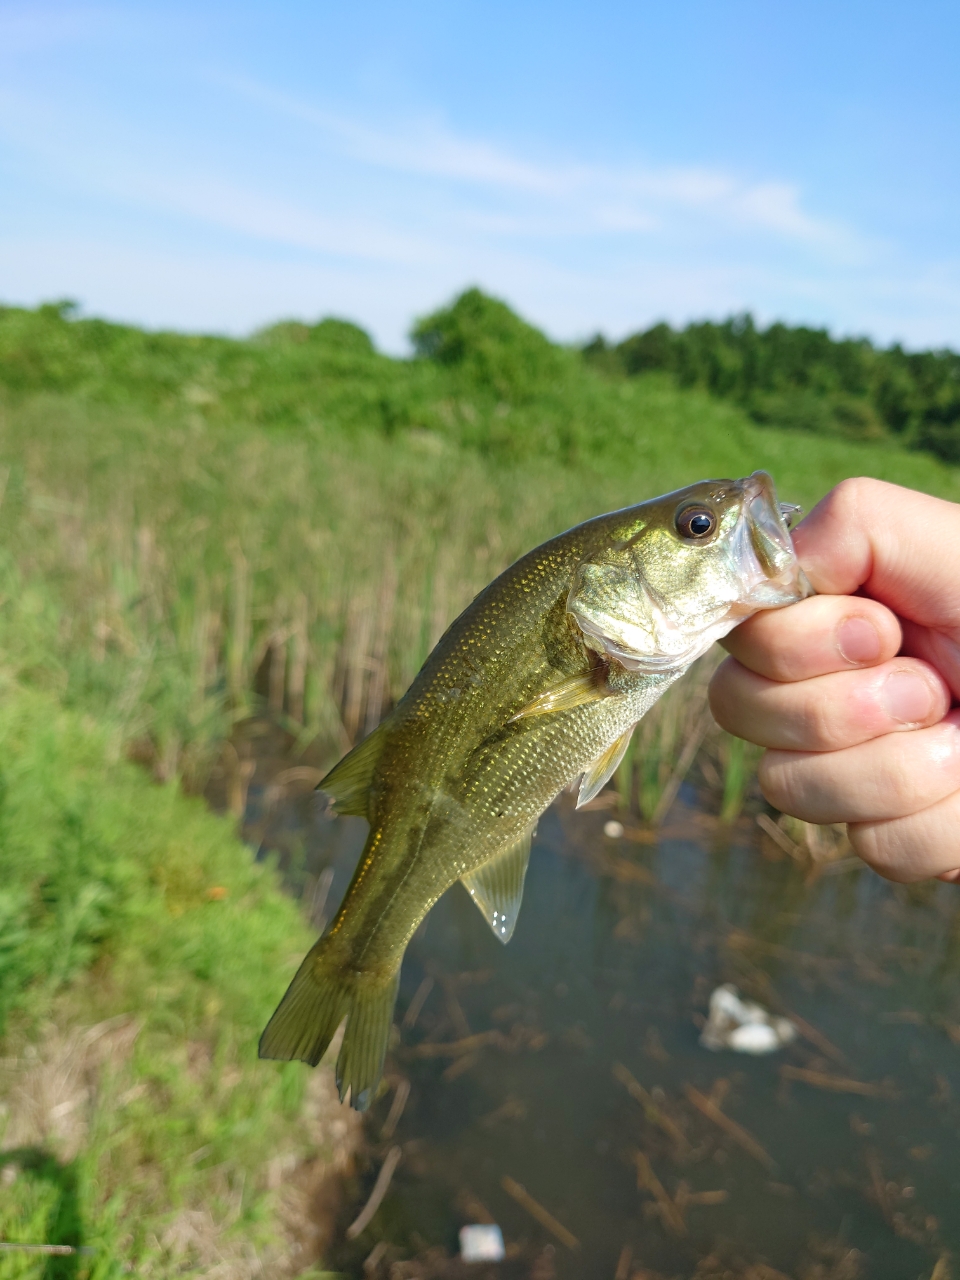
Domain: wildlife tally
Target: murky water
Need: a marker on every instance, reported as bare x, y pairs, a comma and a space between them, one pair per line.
523, 1062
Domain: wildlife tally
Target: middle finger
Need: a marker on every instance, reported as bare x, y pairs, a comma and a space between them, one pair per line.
829, 712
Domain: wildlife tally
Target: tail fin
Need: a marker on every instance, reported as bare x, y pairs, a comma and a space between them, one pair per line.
307, 1018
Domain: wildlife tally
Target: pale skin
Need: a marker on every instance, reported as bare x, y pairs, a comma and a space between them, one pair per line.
853, 691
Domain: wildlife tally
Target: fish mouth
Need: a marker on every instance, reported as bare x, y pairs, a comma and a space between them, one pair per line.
763, 551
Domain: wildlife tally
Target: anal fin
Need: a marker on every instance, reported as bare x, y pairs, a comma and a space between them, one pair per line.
349, 781
603, 768
575, 691
497, 886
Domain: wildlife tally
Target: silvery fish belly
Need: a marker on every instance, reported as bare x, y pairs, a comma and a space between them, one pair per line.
537, 684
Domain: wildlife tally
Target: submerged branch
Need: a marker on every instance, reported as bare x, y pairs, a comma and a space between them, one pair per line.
537, 1211
736, 1131
380, 1188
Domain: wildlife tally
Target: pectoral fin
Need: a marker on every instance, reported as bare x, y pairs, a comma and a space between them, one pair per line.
576, 691
603, 767
497, 886
349, 781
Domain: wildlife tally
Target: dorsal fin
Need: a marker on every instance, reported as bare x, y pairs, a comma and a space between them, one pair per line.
349, 781
603, 767
497, 886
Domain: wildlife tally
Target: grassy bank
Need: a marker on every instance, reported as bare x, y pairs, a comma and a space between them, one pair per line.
141, 951
195, 526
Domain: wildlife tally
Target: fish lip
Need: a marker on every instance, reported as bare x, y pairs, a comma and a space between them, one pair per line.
757, 484
764, 548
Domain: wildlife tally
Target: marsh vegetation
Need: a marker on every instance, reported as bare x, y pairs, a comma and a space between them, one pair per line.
197, 531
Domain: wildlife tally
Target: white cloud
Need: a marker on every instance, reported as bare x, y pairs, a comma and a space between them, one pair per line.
252, 212
624, 198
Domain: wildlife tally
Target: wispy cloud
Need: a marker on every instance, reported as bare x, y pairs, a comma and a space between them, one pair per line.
95, 154
627, 198
245, 209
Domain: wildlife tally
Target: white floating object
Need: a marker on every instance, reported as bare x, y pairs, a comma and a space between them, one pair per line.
482, 1242
743, 1026
613, 829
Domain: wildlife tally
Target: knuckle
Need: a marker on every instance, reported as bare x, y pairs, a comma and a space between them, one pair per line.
887, 793
870, 841
851, 495
776, 779
822, 732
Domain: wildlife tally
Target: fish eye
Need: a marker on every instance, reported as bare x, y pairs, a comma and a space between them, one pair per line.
696, 523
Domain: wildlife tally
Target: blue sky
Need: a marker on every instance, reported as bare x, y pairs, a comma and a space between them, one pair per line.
600, 166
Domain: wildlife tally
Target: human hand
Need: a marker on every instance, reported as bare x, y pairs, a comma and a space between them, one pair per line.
851, 693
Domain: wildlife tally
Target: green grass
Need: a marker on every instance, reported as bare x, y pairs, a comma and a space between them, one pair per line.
195, 528
130, 909
155, 559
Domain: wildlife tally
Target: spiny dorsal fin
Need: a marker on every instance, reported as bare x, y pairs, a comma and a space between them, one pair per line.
603, 767
497, 886
349, 781
575, 691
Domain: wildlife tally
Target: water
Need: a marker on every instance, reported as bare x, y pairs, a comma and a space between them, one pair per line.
617, 949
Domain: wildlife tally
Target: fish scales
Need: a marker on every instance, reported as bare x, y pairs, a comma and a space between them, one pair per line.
539, 681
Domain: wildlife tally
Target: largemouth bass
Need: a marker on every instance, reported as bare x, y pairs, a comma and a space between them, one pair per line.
539, 682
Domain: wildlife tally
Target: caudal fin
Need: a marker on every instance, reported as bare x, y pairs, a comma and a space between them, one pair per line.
307, 1018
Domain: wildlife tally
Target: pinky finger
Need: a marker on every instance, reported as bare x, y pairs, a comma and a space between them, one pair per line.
920, 847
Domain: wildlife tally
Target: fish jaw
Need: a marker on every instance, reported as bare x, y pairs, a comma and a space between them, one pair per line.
674, 646
763, 549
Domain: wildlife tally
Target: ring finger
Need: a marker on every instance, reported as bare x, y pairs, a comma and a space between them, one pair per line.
889, 777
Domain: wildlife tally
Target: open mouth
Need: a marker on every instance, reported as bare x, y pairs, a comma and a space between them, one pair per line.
767, 561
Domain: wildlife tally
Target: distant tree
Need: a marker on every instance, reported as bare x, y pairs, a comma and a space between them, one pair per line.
494, 348
802, 378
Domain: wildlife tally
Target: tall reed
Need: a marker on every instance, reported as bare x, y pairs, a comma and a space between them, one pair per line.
176, 574
182, 579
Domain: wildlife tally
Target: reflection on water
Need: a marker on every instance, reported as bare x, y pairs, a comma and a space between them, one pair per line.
569, 1063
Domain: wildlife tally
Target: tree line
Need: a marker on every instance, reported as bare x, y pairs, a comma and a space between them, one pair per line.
802, 378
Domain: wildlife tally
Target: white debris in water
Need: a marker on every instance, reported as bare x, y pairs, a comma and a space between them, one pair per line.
613, 829
743, 1026
754, 1037
482, 1242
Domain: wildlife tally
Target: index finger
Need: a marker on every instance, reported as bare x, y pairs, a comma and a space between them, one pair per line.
815, 637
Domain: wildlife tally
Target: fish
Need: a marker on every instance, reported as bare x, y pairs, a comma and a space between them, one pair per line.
539, 683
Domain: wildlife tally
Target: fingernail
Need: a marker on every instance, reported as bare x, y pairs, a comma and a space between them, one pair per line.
858, 641
906, 697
